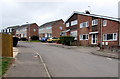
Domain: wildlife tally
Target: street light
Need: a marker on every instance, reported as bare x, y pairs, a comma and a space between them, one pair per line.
29, 30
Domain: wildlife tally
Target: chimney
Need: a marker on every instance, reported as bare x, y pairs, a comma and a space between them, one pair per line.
87, 12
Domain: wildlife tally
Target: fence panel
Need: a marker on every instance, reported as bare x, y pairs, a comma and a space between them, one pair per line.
7, 45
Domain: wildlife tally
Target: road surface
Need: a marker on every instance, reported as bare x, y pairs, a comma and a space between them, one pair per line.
63, 62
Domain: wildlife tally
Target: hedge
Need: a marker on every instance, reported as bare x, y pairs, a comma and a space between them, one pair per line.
67, 40
34, 38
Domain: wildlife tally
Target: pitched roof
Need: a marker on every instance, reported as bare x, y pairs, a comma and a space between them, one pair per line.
93, 15
50, 23
14, 27
26, 25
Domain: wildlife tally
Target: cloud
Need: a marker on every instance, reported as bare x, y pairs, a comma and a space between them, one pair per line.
16, 12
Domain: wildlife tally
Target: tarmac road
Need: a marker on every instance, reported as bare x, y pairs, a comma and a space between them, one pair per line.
63, 62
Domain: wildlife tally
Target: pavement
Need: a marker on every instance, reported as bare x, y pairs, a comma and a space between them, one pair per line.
26, 64
15, 52
90, 50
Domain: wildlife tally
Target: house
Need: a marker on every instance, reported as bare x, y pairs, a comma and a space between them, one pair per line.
10, 30
52, 29
27, 30
93, 30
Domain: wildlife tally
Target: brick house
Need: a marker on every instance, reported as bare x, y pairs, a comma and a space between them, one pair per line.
27, 30
10, 30
90, 29
52, 29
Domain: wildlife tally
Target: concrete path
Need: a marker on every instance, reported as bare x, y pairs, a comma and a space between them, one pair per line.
27, 64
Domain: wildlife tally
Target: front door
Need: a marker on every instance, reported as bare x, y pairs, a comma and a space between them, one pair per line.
94, 38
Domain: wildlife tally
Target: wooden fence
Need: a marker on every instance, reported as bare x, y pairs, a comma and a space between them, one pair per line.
6, 45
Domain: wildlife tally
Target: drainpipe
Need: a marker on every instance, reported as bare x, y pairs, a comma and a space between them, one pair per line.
119, 33
101, 36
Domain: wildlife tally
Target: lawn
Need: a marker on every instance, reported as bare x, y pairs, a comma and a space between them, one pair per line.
4, 64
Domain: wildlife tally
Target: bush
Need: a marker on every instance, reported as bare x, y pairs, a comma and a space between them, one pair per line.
23, 39
34, 38
15, 41
67, 40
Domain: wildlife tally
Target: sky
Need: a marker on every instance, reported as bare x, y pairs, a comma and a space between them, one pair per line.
18, 12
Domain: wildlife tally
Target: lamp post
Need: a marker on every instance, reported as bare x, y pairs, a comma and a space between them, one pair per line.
29, 31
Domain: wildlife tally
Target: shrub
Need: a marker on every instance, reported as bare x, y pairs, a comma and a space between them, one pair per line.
34, 38
67, 40
15, 41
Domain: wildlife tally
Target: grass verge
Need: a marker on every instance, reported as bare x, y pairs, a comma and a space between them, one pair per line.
4, 64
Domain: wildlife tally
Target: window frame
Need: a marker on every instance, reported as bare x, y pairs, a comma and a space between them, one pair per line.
74, 22
114, 38
81, 37
74, 35
49, 28
67, 24
86, 24
94, 22
61, 28
104, 22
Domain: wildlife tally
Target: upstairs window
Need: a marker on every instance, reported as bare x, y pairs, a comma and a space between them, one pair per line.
48, 27
95, 22
67, 24
41, 29
84, 37
104, 22
34, 30
110, 37
60, 27
84, 24
75, 22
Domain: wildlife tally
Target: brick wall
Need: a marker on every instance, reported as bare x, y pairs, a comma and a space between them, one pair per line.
85, 30
33, 30
112, 27
56, 28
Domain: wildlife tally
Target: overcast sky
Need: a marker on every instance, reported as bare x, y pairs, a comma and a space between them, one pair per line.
42, 11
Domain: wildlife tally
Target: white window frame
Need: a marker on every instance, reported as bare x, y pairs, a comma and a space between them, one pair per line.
94, 22
67, 24
74, 34
61, 27
86, 24
75, 22
40, 29
114, 37
81, 36
104, 22
48, 28
34, 30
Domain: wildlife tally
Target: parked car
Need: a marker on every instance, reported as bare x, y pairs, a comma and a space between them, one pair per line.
53, 39
44, 39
